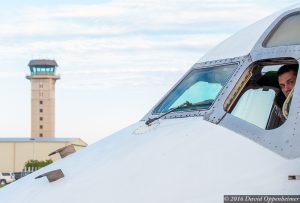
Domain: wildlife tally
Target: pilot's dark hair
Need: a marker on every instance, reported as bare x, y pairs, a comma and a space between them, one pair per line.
288, 68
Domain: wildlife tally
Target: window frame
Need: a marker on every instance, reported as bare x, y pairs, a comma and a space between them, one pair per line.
197, 112
280, 140
275, 28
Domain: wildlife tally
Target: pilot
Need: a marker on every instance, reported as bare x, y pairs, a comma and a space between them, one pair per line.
287, 75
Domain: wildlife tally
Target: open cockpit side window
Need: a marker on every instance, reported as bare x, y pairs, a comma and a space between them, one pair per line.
258, 97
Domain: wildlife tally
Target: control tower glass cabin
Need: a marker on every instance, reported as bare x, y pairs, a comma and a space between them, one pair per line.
43, 77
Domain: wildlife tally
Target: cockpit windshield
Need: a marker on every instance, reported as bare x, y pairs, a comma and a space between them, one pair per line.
200, 87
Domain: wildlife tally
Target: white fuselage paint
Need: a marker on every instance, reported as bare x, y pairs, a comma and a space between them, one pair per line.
180, 160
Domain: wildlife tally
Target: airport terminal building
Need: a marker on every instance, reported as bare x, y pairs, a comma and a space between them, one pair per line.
14, 152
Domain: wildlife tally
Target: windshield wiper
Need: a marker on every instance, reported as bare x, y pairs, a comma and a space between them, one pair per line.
185, 104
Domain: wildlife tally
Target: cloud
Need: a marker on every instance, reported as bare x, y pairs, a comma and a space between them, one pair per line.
123, 35
119, 17
12, 74
105, 79
110, 50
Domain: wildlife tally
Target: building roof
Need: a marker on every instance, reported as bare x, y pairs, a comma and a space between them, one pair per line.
42, 62
38, 139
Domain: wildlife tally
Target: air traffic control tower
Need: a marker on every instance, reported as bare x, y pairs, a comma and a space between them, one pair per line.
43, 77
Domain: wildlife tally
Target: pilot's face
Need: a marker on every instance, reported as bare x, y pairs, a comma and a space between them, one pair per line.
287, 82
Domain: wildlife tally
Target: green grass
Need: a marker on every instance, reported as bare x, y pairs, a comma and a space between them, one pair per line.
2, 186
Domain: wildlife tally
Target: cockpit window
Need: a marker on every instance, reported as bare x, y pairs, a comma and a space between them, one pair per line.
286, 33
257, 114
261, 100
200, 87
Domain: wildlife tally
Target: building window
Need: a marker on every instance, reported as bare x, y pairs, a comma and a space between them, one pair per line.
41, 118
41, 110
41, 127
41, 102
41, 134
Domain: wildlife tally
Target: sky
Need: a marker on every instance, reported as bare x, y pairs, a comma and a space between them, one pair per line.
116, 59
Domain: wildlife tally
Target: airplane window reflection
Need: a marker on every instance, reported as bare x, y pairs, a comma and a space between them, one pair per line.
255, 106
200, 85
